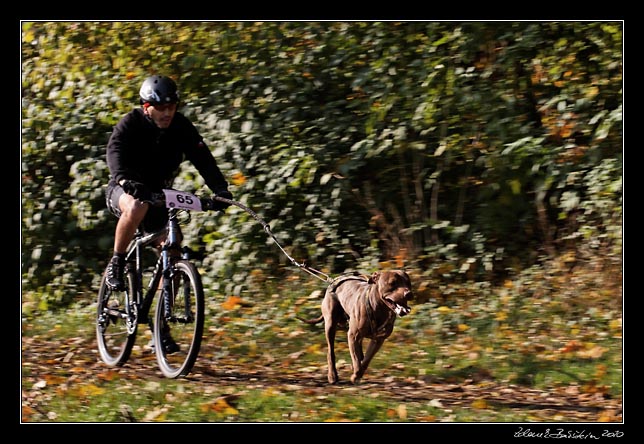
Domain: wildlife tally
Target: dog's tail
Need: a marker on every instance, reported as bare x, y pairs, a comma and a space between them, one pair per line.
311, 321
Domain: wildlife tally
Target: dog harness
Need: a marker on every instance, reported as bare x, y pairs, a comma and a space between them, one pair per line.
342, 279
374, 329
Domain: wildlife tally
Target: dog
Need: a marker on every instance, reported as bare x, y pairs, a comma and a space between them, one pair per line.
369, 306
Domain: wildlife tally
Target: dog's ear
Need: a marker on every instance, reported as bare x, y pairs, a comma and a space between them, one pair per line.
374, 277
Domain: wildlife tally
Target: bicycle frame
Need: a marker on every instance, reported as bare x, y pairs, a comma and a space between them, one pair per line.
162, 269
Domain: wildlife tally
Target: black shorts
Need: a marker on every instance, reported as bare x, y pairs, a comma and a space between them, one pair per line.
154, 220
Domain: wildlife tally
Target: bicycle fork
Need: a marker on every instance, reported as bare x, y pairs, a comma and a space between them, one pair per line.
170, 290
174, 287
167, 292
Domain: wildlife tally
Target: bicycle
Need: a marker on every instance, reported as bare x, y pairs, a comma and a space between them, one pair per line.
179, 313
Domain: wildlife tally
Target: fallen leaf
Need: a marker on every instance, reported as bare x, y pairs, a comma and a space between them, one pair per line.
592, 353
231, 303
435, 403
479, 404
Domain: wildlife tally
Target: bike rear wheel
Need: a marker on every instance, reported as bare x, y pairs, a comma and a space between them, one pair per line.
116, 323
177, 334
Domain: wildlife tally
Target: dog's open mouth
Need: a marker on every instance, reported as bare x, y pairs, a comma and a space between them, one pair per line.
399, 309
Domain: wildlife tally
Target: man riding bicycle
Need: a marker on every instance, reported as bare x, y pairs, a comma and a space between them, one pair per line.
144, 154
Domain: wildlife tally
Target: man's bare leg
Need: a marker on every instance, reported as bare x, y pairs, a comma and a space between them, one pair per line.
132, 213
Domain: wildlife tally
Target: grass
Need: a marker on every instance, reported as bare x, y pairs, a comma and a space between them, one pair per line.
494, 354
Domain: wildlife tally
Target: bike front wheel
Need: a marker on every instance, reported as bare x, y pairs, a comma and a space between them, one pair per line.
178, 332
116, 322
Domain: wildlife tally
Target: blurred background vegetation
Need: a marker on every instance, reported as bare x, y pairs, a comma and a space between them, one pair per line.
466, 152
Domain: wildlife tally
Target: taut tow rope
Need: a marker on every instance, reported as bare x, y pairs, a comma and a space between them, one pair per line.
310, 270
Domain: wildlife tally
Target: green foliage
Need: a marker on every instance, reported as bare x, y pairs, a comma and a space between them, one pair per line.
462, 150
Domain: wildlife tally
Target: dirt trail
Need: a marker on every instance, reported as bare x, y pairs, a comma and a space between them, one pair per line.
78, 360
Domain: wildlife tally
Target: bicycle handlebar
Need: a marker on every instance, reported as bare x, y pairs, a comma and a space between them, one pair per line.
207, 203
185, 200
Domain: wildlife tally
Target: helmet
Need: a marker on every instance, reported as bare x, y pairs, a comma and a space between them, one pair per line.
158, 90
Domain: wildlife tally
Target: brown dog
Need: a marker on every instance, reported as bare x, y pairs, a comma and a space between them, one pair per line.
370, 305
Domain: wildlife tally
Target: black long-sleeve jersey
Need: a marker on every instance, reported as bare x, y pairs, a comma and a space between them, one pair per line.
138, 150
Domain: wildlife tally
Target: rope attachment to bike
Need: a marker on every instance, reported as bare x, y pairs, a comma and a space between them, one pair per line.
310, 270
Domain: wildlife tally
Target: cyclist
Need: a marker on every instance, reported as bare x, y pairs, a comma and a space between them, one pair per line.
144, 153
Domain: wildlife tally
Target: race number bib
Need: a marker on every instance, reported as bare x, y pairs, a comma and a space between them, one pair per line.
182, 200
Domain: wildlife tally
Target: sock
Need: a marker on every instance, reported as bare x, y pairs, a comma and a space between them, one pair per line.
119, 257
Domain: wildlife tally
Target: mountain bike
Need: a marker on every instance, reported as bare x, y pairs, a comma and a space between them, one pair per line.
178, 322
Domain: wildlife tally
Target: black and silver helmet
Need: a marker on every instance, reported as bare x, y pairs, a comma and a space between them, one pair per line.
157, 90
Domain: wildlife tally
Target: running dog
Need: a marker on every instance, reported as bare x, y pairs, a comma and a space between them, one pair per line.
369, 305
